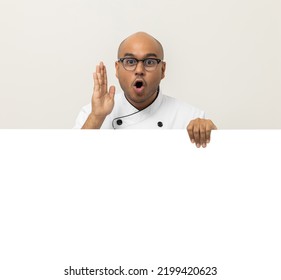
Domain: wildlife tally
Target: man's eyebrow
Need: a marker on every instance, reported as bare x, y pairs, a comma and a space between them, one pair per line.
147, 55
128, 54
151, 54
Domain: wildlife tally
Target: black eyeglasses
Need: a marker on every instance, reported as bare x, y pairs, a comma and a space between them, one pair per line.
130, 64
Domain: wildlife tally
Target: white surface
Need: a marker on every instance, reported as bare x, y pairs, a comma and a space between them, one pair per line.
139, 199
222, 56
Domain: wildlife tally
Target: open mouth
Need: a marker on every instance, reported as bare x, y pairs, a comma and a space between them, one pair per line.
138, 84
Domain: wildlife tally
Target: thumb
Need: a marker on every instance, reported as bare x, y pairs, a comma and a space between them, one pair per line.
111, 91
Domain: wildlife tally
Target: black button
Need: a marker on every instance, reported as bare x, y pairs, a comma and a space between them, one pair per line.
119, 122
160, 124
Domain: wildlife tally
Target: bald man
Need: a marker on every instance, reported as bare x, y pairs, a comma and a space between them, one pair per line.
140, 69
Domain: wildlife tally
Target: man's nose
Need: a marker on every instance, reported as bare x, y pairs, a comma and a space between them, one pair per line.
140, 70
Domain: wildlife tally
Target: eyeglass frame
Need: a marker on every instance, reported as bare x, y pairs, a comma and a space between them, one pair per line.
158, 60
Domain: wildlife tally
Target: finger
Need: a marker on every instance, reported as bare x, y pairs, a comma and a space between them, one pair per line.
96, 85
196, 132
208, 134
203, 134
111, 91
190, 131
99, 80
102, 85
98, 72
102, 73
105, 78
98, 68
211, 126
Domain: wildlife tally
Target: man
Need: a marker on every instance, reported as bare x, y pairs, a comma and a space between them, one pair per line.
140, 69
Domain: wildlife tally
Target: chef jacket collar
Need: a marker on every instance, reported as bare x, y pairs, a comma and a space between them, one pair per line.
131, 115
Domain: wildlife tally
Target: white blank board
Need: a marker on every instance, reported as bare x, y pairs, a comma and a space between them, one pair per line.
139, 199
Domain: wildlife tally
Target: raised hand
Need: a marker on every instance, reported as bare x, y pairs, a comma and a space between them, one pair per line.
102, 99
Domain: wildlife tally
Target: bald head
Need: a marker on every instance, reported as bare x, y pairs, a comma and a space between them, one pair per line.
141, 40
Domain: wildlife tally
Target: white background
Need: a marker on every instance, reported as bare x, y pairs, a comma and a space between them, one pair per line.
222, 56
140, 200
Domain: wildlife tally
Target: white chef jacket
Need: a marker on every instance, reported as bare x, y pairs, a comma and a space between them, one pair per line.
165, 112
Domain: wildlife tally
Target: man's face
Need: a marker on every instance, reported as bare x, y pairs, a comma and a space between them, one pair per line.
140, 86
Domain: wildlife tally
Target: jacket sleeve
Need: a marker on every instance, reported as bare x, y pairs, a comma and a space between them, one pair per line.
82, 116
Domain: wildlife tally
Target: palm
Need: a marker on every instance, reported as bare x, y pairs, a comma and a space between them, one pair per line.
103, 99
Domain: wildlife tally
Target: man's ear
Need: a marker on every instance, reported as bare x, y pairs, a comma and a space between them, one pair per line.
163, 69
116, 69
